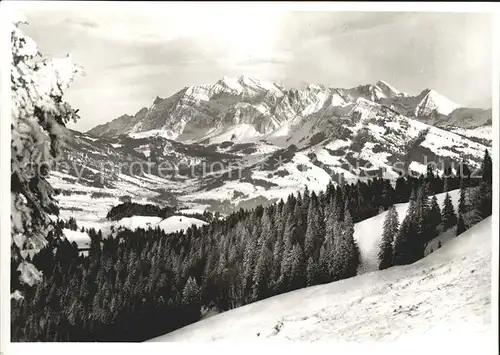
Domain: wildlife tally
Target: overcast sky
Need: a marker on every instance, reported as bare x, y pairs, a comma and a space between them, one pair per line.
133, 53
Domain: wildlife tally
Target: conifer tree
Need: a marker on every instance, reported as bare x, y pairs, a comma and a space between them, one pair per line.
305, 201
289, 239
464, 174
461, 227
278, 251
388, 195
191, 299
401, 243
331, 236
339, 205
401, 190
405, 244
446, 184
344, 259
262, 274
323, 268
248, 267
298, 268
312, 272
389, 233
462, 202
484, 207
430, 180
421, 218
313, 230
434, 216
447, 179
351, 247
449, 217
300, 224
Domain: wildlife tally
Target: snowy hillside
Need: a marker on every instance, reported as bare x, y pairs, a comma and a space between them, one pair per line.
168, 225
243, 142
368, 233
444, 297
364, 139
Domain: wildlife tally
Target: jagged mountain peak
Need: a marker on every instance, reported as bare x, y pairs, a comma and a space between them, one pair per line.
245, 84
431, 100
157, 100
388, 90
233, 102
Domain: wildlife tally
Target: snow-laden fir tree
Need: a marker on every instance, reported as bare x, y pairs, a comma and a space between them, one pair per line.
389, 233
406, 238
464, 206
38, 115
313, 230
446, 184
191, 292
448, 216
298, 268
262, 273
277, 257
327, 253
300, 225
191, 300
311, 272
249, 267
435, 216
344, 258
422, 212
351, 247
484, 207
288, 239
462, 201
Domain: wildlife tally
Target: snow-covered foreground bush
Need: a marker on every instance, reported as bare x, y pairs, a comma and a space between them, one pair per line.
444, 297
39, 115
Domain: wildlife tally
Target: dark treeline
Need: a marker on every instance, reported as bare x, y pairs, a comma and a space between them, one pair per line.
129, 209
144, 283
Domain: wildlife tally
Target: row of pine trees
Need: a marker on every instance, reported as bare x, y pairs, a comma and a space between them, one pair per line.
143, 283
405, 243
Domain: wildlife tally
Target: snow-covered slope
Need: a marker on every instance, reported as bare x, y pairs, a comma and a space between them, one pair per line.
169, 225
81, 239
177, 223
470, 118
362, 140
368, 233
444, 298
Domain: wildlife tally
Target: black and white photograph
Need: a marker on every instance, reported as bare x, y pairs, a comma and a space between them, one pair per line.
209, 172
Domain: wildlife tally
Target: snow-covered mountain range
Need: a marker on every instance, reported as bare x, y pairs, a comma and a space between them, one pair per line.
196, 112
242, 142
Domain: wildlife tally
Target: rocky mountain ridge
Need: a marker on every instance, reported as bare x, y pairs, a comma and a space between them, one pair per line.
197, 112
